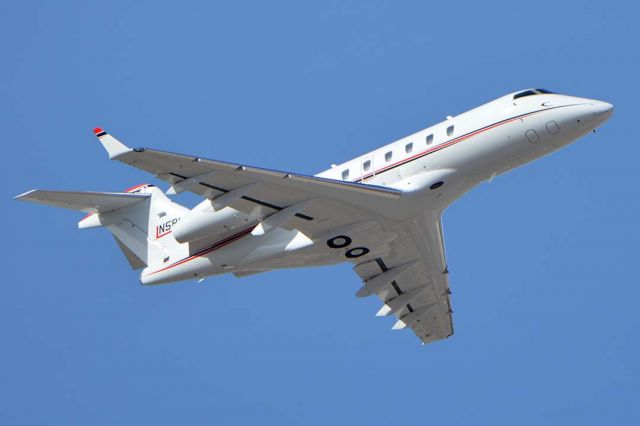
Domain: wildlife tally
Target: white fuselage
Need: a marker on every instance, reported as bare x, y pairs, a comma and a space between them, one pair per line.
481, 143
438, 164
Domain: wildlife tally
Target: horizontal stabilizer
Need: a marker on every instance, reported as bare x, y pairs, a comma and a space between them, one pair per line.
90, 202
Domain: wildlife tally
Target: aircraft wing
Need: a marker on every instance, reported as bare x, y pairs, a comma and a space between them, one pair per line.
408, 270
418, 294
246, 188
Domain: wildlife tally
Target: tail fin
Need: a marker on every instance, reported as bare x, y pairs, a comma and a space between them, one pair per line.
141, 220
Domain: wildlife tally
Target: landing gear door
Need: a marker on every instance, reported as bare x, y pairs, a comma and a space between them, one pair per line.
367, 169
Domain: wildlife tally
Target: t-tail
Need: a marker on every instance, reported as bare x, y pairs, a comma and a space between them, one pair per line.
140, 219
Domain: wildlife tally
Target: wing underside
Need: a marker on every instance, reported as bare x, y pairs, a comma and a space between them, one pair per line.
416, 290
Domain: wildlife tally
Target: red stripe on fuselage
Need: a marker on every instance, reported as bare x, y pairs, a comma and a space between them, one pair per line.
161, 235
449, 143
209, 249
133, 188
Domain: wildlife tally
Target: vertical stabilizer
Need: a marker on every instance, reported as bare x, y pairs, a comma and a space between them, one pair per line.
141, 219
146, 228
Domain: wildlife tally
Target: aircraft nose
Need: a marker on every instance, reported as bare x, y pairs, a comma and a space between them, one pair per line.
601, 107
597, 112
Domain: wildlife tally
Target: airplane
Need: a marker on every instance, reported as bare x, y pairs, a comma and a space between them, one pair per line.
380, 211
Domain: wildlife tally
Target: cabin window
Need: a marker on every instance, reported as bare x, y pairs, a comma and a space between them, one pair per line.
345, 174
449, 130
430, 139
408, 147
388, 156
366, 165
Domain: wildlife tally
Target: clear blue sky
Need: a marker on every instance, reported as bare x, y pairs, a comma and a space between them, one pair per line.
543, 260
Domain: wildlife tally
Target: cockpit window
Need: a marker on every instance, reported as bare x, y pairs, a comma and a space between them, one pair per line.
525, 93
531, 93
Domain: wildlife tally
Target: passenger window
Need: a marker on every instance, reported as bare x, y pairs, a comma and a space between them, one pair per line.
430, 139
345, 174
366, 165
408, 147
388, 155
449, 130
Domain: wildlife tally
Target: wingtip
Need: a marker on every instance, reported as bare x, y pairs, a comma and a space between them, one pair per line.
24, 194
113, 146
99, 131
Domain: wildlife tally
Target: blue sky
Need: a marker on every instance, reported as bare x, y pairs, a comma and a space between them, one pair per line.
543, 260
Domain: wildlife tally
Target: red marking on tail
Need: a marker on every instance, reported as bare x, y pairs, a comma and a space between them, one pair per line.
133, 188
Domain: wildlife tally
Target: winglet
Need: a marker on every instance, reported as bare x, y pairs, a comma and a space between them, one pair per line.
113, 146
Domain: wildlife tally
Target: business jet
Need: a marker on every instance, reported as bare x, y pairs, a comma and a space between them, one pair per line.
380, 211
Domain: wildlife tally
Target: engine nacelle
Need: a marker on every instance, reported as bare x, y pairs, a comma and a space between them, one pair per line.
203, 221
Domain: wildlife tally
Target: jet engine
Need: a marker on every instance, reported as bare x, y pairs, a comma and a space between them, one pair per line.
203, 221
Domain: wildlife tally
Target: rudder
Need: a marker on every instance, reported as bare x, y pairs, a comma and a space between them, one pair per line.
145, 228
